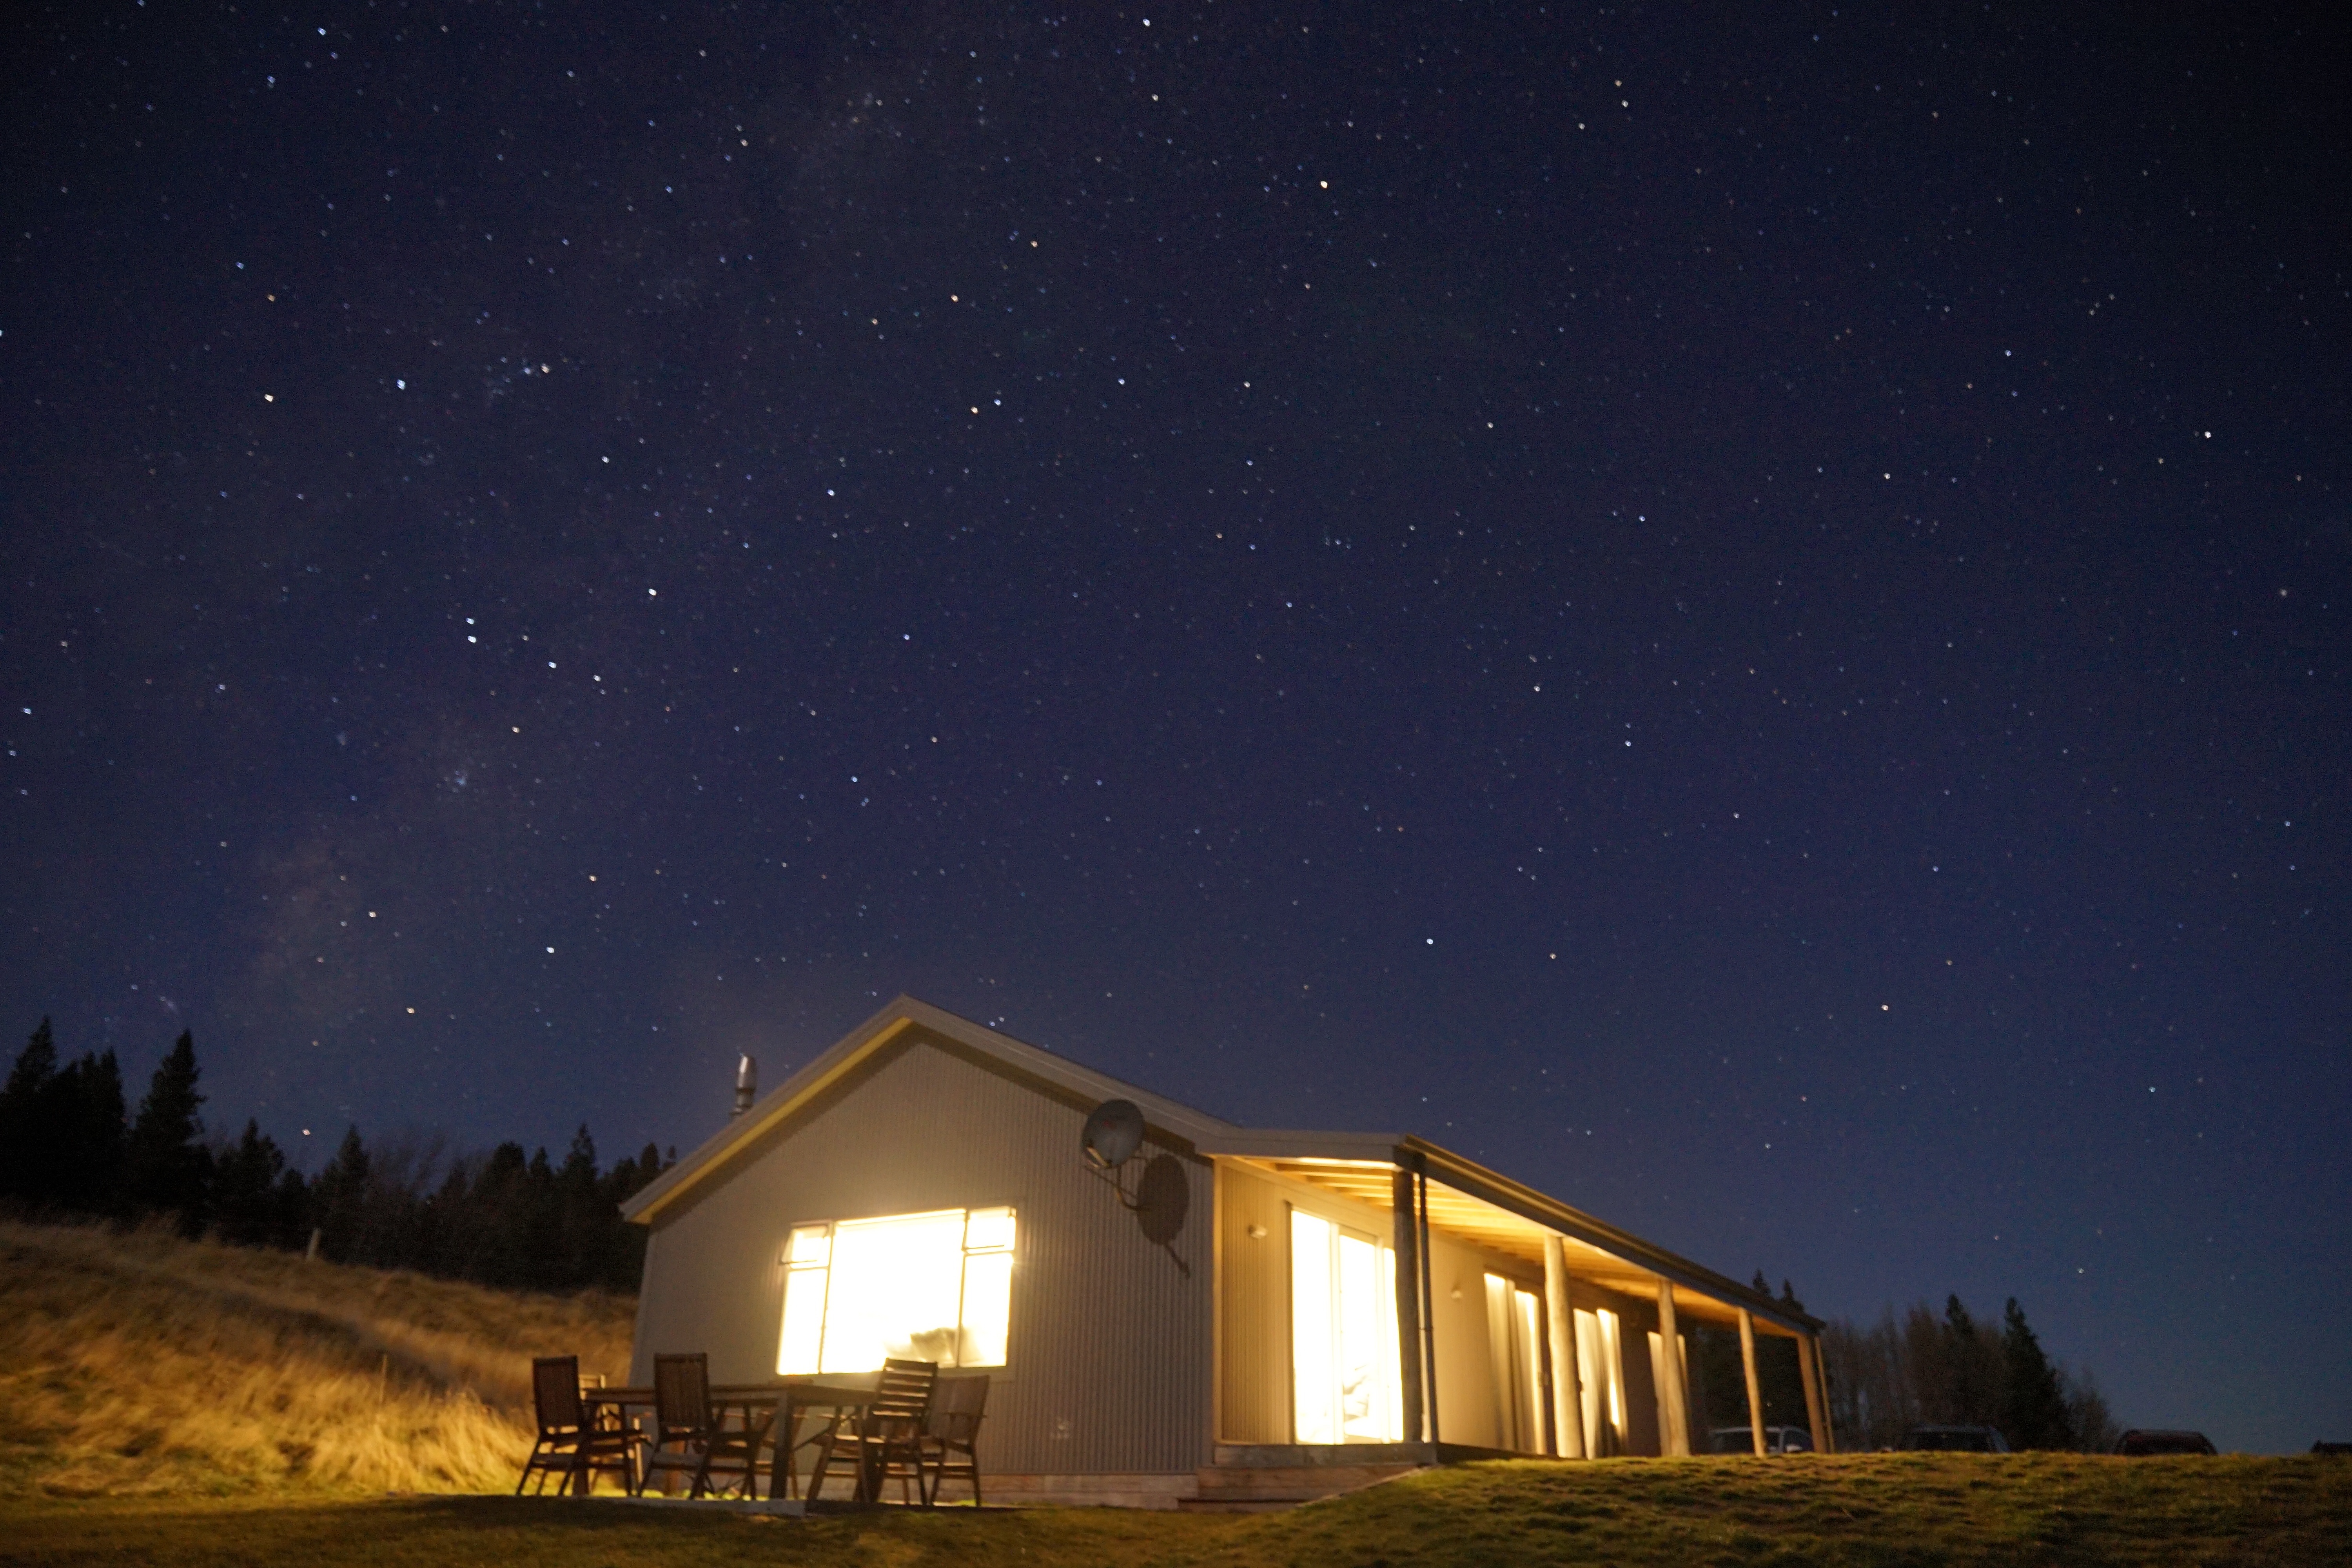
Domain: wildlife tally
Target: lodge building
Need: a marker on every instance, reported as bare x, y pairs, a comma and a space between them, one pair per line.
1235, 1312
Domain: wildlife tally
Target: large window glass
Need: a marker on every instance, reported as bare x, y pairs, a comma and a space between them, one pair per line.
1343, 1335
1602, 1374
1515, 1355
930, 1287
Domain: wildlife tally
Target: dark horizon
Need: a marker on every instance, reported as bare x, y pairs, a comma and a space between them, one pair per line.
1739, 616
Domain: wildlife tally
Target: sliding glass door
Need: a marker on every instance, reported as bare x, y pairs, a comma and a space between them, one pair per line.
1343, 1335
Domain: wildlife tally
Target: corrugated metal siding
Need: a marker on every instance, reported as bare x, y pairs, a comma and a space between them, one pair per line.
1256, 1296
1466, 1373
1110, 1343
1469, 1408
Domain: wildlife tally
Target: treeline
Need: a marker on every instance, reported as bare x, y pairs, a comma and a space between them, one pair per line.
68, 1149
1953, 1370
1920, 1370
1720, 1386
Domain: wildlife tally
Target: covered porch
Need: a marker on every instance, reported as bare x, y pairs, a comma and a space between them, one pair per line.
1381, 1300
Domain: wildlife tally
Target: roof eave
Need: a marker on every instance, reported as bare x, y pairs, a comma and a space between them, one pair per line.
1467, 1175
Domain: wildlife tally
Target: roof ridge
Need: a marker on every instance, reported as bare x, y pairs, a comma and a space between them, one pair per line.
903, 1011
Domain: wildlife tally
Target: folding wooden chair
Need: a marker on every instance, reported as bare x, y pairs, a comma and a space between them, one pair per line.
569, 1439
952, 1435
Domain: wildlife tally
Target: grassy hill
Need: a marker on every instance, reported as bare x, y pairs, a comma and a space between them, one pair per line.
142, 1364
1910, 1511
169, 1403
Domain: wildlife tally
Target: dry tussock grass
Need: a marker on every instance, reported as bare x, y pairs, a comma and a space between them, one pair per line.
140, 1362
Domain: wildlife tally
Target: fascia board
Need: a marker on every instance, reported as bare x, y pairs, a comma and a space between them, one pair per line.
1468, 1176
1285, 1143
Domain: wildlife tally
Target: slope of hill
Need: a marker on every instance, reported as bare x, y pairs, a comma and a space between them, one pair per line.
142, 1364
1868, 1511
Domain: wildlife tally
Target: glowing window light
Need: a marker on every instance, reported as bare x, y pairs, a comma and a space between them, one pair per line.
1343, 1343
931, 1286
807, 1256
1528, 1356
1602, 1374
1614, 1354
986, 1320
1313, 1339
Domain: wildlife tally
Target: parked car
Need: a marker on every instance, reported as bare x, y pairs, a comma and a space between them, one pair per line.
1952, 1440
1777, 1441
2139, 1445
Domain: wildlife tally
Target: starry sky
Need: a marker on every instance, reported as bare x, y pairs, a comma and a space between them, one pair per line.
1740, 613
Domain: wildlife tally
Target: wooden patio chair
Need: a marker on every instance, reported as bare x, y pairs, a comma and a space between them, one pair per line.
886, 1440
950, 1438
571, 1440
691, 1435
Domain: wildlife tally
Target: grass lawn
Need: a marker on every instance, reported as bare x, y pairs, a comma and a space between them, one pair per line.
1866, 1510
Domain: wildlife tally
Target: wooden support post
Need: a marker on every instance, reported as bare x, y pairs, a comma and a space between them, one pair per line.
1755, 1391
1675, 1396
1428, 1302
1560, 1322
1404, 1223
1815, 1416
1826, 1438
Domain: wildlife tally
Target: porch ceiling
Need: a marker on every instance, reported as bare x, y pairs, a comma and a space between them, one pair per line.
1474, 1219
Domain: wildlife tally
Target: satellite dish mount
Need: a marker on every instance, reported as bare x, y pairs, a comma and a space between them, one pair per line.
1162, 1196
1113, 1134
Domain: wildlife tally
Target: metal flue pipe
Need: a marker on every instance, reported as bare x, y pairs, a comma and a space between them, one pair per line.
747, 1084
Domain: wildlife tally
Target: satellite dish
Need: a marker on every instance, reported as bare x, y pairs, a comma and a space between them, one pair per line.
1114, 1133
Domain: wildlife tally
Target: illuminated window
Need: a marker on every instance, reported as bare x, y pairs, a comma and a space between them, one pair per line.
1514, 1347
1603, 1373
1343, 1335
927, 1286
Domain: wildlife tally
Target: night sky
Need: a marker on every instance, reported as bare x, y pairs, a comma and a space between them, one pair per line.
1740, 616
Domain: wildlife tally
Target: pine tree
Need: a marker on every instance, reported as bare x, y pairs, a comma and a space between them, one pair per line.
339, 1201
2034, 1411
166, 1169
82, 1126
245, 1190
24, 1105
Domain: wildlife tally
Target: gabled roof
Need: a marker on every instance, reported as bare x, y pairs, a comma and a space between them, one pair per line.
1166, 1117
1202, 1133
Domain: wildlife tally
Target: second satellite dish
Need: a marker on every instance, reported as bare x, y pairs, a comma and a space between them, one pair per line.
1114, 1133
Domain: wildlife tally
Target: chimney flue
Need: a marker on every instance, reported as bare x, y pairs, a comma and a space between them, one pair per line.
747, 1084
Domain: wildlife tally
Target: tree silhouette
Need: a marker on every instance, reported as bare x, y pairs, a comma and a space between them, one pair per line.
24, 1103
253, 1203
2034, 1412
338, 1197
505, 1218
166, 1170
84, 1122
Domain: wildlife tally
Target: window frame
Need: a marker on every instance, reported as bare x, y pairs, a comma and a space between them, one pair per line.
785, 1270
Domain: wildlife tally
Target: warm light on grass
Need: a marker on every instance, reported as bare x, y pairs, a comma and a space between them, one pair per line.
1912, 1510
142, 1364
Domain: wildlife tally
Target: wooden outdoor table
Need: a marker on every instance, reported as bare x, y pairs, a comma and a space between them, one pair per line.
840, 1393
